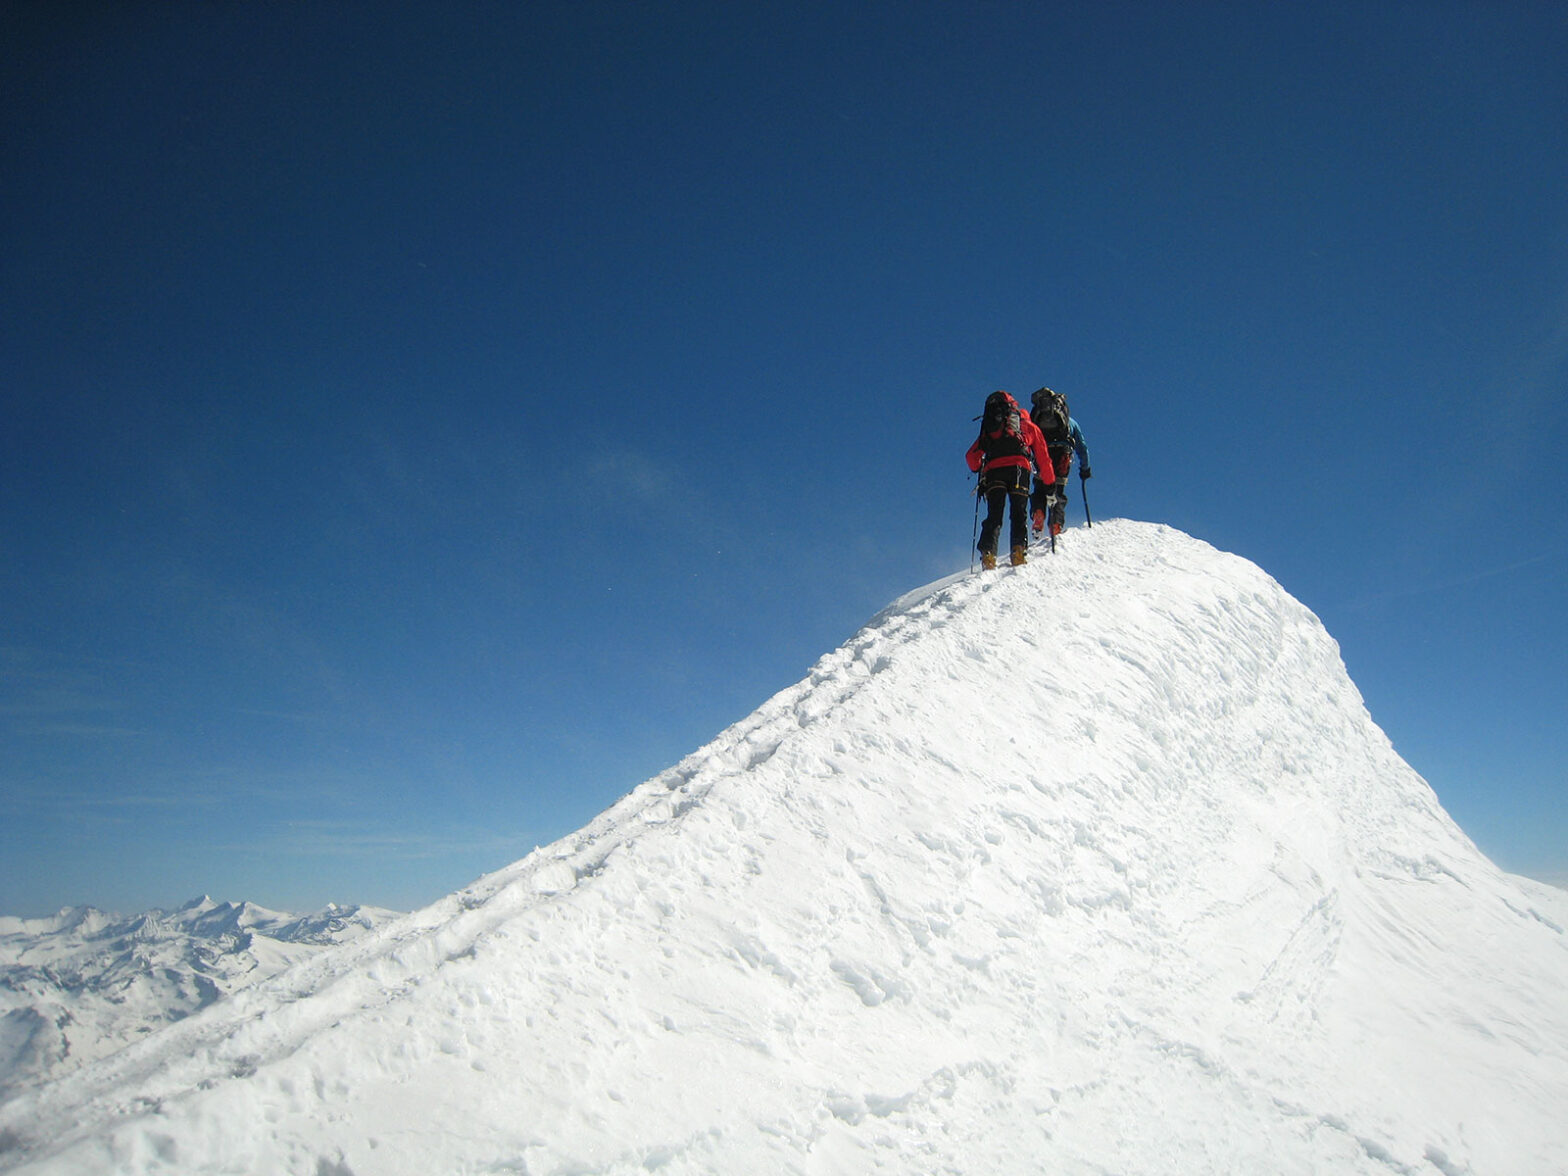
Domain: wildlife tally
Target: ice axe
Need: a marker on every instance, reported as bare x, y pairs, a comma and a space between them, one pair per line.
1083, 490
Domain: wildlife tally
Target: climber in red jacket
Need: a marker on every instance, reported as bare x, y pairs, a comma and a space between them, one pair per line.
1001, 455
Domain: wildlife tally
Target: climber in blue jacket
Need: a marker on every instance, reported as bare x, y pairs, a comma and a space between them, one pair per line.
1063, 438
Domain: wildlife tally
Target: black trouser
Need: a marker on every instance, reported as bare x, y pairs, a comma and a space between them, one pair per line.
1010, 483
1062, 460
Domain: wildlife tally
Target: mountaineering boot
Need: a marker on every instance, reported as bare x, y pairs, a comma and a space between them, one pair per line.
1056, 529
1020, 555
1039, 521
988, 561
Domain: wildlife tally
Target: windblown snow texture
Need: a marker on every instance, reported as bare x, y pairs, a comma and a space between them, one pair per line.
1097, 865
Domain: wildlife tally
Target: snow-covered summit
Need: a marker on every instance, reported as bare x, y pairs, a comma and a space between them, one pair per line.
1096, 865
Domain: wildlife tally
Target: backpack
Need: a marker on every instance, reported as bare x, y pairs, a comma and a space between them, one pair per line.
1001, 427
1049, 410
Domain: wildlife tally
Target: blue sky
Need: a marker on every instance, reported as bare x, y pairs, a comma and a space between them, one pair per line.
425, 422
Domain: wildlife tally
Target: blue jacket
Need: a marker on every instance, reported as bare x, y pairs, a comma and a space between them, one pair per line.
1075, 435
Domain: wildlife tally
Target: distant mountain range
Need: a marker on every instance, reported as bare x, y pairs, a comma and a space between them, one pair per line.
81, 984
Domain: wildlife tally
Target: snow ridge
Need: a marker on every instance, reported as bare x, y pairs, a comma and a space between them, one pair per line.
1093, 865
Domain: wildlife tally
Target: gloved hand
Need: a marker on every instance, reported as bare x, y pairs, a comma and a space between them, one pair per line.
1084, 475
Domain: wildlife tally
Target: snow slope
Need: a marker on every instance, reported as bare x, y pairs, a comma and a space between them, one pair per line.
81, 984
1097, 865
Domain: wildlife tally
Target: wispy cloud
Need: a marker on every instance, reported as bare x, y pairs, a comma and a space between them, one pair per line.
1449, 583
315, 838
646, 482
88, 730
1528, 392
38, 687
86, 802
145, 788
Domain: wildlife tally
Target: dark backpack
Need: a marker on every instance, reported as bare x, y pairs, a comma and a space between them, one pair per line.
1048, 410
1001, 427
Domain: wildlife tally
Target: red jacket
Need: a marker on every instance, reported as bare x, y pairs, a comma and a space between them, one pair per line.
1034, 443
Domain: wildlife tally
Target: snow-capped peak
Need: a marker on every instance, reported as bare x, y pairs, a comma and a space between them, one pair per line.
1098, 864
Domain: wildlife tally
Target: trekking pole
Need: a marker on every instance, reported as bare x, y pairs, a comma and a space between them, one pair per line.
1083, 490
974, 533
